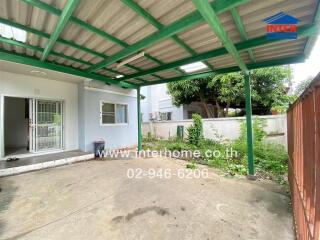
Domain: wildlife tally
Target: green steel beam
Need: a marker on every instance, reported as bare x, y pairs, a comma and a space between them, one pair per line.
59, 40
213, 20
159, 62
70, 44
180, 78
237, 19
139, 69
39, 49
149, 18
35, 48
139, 120
282, 61
302, 32
249, 125
141, 80
63, 20
31, 61
46, 35
143, 13
180, 25
79, 22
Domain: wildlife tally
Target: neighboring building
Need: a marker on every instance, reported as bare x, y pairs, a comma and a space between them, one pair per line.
158, 105
44, 111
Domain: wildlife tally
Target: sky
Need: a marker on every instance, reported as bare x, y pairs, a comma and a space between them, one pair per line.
311, 67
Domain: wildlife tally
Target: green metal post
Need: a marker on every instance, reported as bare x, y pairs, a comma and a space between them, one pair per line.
249, 125
139, 120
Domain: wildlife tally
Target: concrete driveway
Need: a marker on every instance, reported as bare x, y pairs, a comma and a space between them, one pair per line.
96, 200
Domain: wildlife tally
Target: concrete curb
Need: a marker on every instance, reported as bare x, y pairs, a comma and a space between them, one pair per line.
50, 164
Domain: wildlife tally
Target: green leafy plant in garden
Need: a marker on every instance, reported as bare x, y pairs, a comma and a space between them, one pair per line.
195, 131
192, 165
270, 158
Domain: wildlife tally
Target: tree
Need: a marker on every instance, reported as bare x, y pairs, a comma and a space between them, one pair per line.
269, 89
226, 91
302, 86
195, 90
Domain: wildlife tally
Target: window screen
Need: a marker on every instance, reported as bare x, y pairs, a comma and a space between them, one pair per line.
121, 113
114, 113
108, 113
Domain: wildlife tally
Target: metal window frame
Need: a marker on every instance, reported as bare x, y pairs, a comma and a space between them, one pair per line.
115, 117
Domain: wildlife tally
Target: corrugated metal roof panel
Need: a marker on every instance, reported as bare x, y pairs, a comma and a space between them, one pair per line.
201, 38
281, 45
125, 70
117, 19
149, 78
228, 61
143, 63
253, 14
164, 49
167, 11
168, 74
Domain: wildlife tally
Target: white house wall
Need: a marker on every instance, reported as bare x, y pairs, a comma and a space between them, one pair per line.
18, 85
117, 135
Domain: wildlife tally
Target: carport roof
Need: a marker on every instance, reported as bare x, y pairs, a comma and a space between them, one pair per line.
90, 38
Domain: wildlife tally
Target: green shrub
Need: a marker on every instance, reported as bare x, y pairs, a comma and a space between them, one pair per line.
178, 146
268, 157
272, 157
149, 138
195, 131
192, 165
240, 145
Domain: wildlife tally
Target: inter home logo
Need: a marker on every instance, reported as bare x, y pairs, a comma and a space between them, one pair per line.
281, 26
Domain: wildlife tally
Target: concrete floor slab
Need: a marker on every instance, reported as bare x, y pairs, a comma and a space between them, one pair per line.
96, 200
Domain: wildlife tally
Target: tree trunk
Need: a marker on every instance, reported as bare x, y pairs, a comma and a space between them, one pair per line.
227, 109
218, 109
205, 105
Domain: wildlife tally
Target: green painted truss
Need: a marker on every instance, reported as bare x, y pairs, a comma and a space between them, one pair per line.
206, 12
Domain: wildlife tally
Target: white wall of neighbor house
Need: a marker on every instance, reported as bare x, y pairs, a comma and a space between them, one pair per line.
166, 106
117, 135
220, 128
145, 103
157, 100
26, 86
